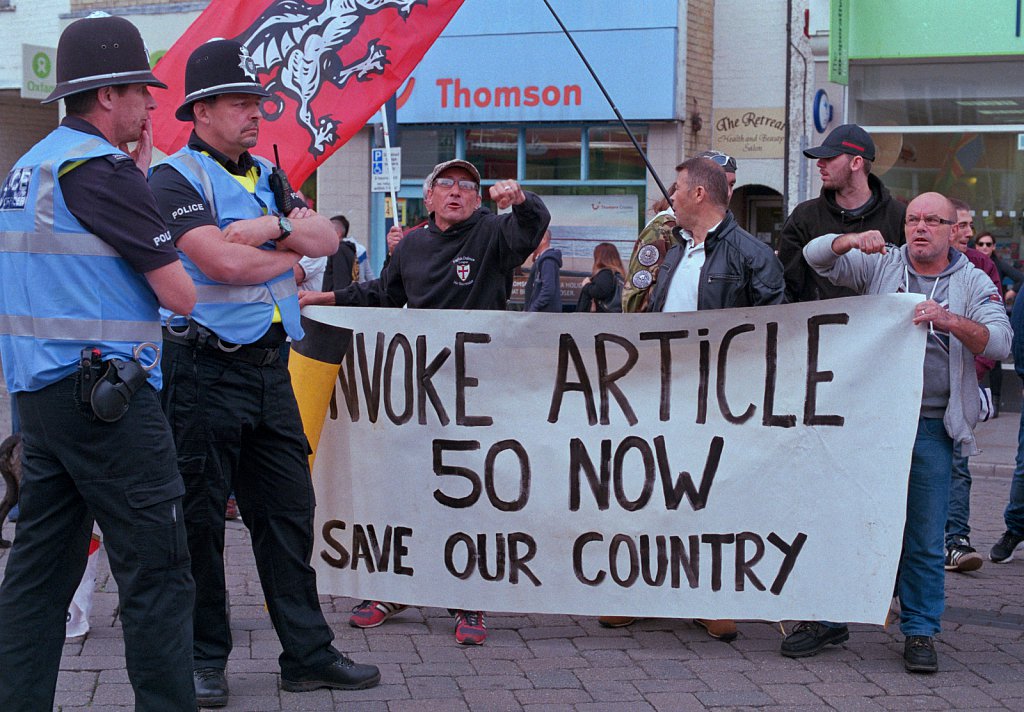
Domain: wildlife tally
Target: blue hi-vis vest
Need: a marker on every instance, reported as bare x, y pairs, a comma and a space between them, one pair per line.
237, 313
64, 289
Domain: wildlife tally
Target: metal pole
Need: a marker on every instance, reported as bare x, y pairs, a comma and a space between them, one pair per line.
611, 103
391, 172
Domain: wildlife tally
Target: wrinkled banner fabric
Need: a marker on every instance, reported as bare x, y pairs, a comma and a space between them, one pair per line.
744, 463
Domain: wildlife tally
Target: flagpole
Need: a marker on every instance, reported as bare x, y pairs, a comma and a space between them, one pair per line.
387, 162
636, 145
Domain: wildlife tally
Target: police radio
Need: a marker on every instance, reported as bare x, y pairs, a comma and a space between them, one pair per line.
281, 188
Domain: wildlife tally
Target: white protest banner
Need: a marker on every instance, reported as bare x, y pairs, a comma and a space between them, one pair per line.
744, 463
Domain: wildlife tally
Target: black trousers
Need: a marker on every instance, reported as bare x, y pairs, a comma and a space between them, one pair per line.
124, 475
237, 428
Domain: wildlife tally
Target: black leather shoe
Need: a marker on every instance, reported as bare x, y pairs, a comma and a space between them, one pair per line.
211, 687
809, 637
342, 674
919, 654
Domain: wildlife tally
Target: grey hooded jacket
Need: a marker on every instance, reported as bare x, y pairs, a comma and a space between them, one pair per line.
970, 295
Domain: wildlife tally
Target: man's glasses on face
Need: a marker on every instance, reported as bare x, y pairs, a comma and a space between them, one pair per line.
986, 243
466, 185
929, 220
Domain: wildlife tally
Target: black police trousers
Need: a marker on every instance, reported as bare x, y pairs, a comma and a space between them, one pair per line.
237, 428
124, 475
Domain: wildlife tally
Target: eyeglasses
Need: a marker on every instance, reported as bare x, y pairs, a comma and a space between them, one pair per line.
986, 244
929, 220
466, 185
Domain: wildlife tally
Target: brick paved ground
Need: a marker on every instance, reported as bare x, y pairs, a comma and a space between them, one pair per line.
547, 662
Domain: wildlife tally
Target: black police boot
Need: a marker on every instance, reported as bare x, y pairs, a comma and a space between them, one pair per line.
342, 674
211, 687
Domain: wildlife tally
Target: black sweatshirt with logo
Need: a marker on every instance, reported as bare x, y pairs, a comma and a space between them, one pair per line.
467, 266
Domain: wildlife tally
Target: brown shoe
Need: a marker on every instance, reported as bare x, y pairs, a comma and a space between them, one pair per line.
615, 621
723, 630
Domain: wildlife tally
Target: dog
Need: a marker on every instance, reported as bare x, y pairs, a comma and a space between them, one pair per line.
10, 468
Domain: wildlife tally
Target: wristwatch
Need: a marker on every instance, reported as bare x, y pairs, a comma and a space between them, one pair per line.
286, 228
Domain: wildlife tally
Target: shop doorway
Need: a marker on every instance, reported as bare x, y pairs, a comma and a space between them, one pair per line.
758, 210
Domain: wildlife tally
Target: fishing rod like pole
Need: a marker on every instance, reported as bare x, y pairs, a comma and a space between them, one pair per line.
611, 103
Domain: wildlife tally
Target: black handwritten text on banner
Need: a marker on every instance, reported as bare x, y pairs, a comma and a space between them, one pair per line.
726, 464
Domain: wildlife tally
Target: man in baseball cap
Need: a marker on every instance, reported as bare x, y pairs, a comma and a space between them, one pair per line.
848, 138
77, 207
852, 200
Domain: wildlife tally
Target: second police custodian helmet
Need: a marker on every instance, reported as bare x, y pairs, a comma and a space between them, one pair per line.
218, 67
100, 51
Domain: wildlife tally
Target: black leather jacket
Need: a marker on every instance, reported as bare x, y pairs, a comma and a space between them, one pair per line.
739, 271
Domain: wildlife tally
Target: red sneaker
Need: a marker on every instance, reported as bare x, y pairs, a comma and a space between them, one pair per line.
370, 614
231, 511
470, 628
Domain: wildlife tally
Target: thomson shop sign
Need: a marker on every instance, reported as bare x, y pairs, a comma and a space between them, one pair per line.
532, 73
38, 65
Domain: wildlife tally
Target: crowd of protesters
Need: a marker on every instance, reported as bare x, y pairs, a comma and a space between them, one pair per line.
201, 260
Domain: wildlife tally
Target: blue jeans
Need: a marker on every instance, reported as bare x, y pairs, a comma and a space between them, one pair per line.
959, 498
1014, 514
922, 576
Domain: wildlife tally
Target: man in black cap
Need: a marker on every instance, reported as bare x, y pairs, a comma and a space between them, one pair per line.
851, 200
86, 258
230, 401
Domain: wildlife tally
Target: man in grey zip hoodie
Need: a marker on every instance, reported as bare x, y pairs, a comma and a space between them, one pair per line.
965, 317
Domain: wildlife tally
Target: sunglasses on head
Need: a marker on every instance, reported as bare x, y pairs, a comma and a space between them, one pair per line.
725, 161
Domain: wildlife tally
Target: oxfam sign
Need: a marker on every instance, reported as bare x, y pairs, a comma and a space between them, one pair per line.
41, 65
37, 79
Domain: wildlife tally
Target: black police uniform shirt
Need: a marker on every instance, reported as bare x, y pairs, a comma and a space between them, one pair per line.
183, 206
110, 197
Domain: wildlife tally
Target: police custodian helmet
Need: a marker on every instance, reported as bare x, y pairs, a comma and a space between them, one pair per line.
100, 51
218, 67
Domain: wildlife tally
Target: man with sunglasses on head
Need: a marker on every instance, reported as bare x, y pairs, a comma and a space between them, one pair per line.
657, 237
964, 315
715, 264
852, 200
462, 258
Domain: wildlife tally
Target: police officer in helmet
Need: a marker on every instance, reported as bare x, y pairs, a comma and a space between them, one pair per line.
232, 409
86, 261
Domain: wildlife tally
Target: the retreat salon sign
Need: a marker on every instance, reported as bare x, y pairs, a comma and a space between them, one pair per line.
750, 133
746, 463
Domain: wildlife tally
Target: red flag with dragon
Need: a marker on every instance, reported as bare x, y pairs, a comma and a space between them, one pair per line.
329, 66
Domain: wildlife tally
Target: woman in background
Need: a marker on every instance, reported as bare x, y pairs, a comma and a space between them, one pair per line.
602, 290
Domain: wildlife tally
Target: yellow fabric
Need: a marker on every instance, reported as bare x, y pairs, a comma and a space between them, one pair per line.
313, 383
